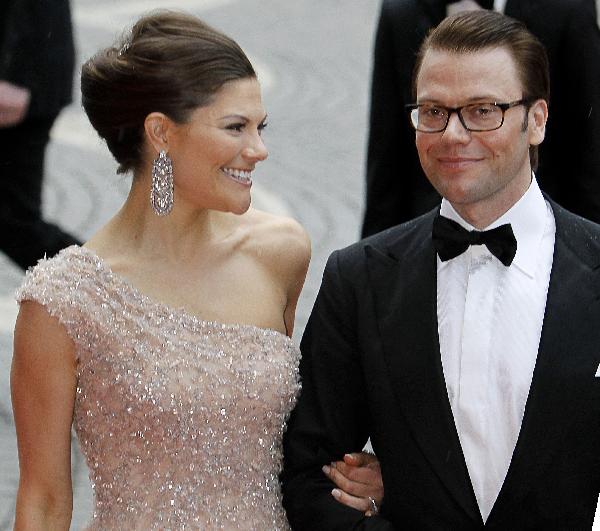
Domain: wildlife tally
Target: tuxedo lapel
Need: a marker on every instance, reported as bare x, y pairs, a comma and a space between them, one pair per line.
403, 281
571, 313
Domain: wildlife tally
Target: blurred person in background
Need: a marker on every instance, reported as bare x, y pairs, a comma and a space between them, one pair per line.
36, 79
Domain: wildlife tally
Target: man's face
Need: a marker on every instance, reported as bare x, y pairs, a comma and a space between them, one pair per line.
482, 174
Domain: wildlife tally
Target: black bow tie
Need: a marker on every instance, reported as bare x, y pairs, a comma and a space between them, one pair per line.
450, 239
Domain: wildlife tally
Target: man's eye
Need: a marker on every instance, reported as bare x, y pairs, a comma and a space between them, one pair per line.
482, 111
433, 112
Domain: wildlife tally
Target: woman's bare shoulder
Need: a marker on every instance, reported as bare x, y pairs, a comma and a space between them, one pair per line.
277, 236
38, 333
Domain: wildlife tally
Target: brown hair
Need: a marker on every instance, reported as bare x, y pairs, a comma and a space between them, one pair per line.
171, 63
472, 31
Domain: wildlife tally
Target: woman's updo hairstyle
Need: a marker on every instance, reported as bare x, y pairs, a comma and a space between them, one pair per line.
171, 63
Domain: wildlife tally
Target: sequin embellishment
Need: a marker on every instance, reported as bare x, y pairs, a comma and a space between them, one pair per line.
180, 420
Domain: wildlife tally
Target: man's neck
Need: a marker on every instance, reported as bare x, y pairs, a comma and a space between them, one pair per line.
482, 214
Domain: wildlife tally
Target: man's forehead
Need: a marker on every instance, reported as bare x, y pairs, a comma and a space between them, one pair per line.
475, 57
478, 73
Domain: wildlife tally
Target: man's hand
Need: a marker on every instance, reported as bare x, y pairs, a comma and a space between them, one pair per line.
359, 480
14, 102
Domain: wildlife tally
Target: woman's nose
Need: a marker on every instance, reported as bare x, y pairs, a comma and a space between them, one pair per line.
256, 151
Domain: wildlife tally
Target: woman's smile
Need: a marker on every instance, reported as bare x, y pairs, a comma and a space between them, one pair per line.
240, 176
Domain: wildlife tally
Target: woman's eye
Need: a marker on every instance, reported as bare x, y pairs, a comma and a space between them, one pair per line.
262, 127
235, 127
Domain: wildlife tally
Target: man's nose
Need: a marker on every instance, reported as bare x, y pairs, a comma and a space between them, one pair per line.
455, 130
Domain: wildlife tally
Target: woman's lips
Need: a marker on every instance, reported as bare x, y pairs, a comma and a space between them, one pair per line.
240, 176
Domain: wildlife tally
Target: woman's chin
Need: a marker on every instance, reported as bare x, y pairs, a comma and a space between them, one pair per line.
240, 208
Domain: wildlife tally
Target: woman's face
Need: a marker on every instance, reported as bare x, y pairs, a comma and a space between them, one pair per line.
215, 152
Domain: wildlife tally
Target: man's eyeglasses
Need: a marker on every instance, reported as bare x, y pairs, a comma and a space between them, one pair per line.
430, 118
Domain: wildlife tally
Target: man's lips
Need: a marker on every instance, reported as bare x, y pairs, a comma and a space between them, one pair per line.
458, 162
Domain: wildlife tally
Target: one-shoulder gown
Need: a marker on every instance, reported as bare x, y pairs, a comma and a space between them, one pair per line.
180, 420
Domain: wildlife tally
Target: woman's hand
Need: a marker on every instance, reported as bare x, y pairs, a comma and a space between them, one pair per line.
359, 482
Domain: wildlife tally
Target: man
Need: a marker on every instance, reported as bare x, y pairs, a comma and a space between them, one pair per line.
569, 170
472, 368
36, 78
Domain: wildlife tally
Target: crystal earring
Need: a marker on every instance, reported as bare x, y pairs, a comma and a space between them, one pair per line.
161, 193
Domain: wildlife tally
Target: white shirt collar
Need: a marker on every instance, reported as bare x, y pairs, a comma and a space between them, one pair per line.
528, 218
499, 5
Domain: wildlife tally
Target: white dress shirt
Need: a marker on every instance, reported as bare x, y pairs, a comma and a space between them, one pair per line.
489, 323
471, 5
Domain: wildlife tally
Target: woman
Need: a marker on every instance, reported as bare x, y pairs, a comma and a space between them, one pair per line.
165, 339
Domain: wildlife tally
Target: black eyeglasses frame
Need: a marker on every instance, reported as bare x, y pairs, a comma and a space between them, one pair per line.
411, 107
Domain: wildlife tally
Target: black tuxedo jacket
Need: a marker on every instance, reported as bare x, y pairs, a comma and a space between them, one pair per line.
37, 52
371, 366
569, 170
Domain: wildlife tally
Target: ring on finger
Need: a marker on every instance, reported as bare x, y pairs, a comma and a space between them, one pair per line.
373, 509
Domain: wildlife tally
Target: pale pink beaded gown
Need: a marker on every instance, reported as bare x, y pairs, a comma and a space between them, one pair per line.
180, 420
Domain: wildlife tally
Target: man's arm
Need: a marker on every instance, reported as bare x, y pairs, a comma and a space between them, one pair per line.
331, 417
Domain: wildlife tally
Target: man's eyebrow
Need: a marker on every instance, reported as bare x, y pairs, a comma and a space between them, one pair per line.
487, 98
467, 101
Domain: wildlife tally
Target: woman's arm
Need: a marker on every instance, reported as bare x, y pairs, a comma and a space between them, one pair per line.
43, 384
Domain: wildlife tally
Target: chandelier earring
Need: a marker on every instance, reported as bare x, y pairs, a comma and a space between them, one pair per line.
161, 193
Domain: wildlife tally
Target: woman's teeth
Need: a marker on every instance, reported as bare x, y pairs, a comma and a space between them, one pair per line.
242, 176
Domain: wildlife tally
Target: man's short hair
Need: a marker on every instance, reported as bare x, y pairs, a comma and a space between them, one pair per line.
473, 31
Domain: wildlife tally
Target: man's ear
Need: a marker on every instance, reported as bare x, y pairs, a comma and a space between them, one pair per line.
157, 126
537, 118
